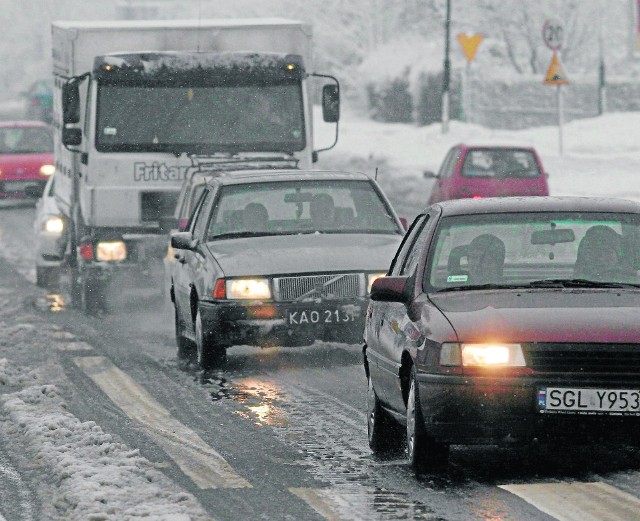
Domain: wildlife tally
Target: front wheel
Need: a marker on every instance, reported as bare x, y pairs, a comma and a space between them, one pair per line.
210, 355
423, 452
382, 430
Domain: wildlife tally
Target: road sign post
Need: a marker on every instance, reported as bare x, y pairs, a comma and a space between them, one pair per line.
553, 35
469, 43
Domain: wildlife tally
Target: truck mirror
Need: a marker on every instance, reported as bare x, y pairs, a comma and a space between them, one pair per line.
70, 103
331, 103
71, 136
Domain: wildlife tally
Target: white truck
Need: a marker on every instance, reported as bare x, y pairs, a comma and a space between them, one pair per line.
138, 103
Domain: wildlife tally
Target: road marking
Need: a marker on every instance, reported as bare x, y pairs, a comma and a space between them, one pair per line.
579, 501
196, 459
319, 499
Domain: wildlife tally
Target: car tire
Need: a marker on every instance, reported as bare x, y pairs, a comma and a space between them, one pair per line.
209, 354
185, 346
382, 431
46, 277
423, 452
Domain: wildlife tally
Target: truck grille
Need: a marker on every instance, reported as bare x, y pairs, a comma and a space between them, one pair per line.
155, 205
583, 358
314, 286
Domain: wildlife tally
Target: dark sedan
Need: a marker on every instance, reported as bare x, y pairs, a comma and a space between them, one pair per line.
506, 321
279, 257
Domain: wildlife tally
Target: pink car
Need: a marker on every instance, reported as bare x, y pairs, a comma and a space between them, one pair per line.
26, 157
488, 171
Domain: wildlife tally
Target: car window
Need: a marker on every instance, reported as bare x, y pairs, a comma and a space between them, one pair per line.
522, 248
417, 247
301, 206
406, 243
448, 165
500, 163
25, 140
199, 218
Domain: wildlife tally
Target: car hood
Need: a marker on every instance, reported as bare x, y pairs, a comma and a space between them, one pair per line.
598, 316
306, 253
24, 164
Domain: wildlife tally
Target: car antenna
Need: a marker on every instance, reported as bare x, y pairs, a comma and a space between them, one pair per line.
376, 176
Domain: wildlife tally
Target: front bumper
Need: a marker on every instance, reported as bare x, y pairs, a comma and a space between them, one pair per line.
285, 323
481, 410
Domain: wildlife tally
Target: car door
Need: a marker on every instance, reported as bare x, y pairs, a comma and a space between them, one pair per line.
187, 261
379, 332
441, 187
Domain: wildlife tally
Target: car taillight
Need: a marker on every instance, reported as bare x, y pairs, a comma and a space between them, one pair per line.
220, 289
476, 197
86, 251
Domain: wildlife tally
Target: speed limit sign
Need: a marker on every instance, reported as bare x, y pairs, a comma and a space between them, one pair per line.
553, 33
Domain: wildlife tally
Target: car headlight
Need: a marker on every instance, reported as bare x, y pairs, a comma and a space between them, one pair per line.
482, 355
54, 224
371, 278
47, 170
111, 251
255, 289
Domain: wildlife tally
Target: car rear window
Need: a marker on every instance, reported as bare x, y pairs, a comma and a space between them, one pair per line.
522, 248
503, 163
293, 207
25, 140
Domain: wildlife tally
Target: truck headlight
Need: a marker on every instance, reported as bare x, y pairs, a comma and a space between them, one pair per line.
371, 278
54, 224
255, 289
47, 170
111, 251
482, 355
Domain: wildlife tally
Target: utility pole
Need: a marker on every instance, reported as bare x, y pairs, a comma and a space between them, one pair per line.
602, 90
447, 71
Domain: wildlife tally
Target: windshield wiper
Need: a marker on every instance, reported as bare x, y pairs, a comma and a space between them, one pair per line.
579, 283
473, 287
240, 235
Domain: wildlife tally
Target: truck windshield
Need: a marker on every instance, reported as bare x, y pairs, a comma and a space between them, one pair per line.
200, 119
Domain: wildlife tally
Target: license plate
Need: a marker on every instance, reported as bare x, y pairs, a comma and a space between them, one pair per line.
325, 316
562, 400
17, 186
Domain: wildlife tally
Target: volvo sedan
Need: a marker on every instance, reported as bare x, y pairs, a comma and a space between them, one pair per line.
507, 321
279, 257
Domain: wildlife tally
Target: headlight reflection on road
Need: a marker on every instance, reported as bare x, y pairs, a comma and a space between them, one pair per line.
260, 397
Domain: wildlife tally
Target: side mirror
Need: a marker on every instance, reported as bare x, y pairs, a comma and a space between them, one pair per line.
331, 103
71, 136
428, 174
183, 241
70, 103
34, 191
166, 224
390, 289
405, 223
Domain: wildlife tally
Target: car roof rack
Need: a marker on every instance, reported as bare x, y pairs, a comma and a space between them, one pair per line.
220, 163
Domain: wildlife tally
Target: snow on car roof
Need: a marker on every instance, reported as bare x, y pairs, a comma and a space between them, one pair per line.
252, 176
537, 204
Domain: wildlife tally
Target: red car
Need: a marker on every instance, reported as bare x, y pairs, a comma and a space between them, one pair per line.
26, 157
488, 171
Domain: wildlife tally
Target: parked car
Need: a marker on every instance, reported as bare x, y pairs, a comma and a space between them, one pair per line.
488, 171
504, 321
49, 234
26, 157
39, 101
279, 257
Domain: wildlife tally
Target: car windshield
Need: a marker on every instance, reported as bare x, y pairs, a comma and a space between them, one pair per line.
500, 163
567, 249
294, 207
217, 118
25, 140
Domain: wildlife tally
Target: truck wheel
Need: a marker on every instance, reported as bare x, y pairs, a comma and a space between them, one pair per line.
185, 346
92, 295
209, 354
46, 277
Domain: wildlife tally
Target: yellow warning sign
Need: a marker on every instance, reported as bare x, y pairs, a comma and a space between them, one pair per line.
470, 44
555, 72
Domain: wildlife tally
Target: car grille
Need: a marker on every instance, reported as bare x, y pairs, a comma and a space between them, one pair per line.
315, 286
583, 358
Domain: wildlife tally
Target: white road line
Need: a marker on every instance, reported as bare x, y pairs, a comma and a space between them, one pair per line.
579, 501
196, 459
319, 499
